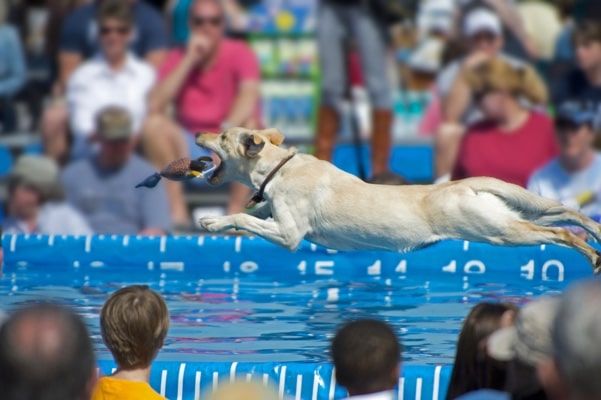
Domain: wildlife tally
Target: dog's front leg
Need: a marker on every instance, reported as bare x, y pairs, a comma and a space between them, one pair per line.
286, 235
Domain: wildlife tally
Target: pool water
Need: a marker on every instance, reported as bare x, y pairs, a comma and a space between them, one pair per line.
274, 317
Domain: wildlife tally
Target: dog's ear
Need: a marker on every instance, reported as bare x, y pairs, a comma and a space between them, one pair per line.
275, 136
253, 144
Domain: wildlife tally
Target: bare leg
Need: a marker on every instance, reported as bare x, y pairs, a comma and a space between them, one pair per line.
55, 123
447, 142
163, 142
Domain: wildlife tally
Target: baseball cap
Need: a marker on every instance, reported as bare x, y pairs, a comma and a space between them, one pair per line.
114, 123
578, 113
480, 20
529, 339
39, 172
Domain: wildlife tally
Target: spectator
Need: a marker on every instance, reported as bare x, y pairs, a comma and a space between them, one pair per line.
483, 32
576, 332
102, 185
133, 323
12, 71
214, 83
35, 201
524, 346
367, 358
574, 177
78, 42
513, 140
473, 368
114, 77
584, 82
337, 20
46, 353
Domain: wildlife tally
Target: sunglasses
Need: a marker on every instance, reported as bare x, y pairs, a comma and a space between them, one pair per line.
566, 125
202, 21
105, 30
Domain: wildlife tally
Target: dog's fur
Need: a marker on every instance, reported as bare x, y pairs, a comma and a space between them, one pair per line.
312, 199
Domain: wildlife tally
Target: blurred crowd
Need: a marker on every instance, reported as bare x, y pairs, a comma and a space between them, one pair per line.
545, 349
118, 89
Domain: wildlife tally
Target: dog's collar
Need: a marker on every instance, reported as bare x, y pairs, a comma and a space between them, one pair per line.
258, 197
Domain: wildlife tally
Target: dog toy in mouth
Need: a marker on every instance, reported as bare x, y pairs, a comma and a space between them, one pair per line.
182, 169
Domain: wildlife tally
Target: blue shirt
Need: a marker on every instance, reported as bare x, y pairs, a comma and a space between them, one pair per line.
80, 31
109, 200
12, 63
579, 190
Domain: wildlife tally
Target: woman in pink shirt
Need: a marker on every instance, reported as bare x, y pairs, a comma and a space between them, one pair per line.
512, 140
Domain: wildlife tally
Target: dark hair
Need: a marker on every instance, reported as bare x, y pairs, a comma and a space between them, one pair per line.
522, 382
366, 354
588, 30
473, 369
45, 354
115, 9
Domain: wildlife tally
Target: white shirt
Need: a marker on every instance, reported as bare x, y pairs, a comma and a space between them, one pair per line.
386, 395
578, 190
94, 86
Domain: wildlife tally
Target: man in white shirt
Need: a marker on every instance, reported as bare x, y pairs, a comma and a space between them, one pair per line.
367, 358
115, 77
574, 177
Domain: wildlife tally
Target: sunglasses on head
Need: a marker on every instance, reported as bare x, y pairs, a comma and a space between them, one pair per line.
105, 30
570, 125
202, 21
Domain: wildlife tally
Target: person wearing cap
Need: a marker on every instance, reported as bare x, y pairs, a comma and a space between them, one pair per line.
572, 372
574, 176
484, 38
36, 201
526, 345
102, 185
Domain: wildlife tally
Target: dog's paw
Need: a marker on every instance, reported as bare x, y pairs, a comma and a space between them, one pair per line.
215, 224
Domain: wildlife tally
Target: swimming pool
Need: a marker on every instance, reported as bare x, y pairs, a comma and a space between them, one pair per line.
240, 305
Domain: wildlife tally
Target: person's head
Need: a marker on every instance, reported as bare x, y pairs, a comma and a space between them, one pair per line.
576, 126
134, 323
46, 353
575, 336
33, 181
587, 42
114, 132
473, 368
367, 356
525, 345
207, 18
498, 86
115, 21
483, 30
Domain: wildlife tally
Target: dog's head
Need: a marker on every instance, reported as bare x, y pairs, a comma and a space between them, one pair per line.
238, 150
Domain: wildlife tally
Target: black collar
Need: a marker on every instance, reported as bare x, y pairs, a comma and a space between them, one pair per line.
258, 197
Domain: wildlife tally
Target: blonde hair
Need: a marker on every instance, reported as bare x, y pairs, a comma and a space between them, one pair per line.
242, 390
134, 323
498, 74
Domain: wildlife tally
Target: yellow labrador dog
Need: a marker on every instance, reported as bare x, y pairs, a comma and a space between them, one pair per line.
312, 199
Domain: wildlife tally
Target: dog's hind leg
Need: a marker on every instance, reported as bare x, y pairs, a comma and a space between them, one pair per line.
527, 233
563, 215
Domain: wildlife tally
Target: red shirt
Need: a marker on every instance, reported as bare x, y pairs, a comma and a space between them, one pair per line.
509, 156
206, 96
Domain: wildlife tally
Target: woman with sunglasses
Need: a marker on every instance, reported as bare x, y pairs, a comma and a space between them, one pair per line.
513, 139
114, 77
573, 177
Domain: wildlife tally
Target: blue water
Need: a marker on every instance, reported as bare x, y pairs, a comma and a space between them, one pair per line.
259, 319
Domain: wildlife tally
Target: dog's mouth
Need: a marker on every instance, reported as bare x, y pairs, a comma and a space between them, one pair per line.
214, 173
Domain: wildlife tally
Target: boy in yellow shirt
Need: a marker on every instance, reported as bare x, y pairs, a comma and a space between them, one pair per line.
134, 323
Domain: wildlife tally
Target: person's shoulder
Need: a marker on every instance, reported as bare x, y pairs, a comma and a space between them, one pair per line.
235, 46
480, 127
546, 171
141, 66
81, 15
139, 163
76, 168
145, 11
90, 66
485, 394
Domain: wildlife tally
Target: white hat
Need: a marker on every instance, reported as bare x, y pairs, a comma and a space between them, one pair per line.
427, 56
529, 339
482, 20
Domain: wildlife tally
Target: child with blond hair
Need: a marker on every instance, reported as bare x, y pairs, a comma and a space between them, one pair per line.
133, 323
